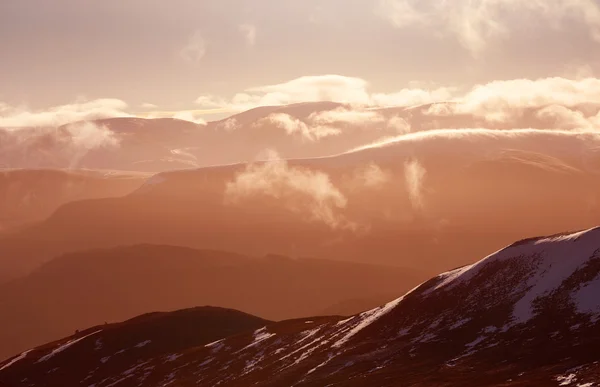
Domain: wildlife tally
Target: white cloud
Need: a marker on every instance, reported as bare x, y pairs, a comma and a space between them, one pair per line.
147, 105
294, 126
191, 116
300, 190
337, 88
60, 115
414, 174
195, 49
399, 124
343, 115
249, 33
228, 125
506, 101
476, 23
370, 176
34, 147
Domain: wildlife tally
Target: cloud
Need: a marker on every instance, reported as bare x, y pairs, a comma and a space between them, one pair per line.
343, 115
300, 190
508, 101
294, 126
484, 140
34, 147
148, 106
399, 124
13, 117
191, 116
228, 125
476, 23
249, 33
195, 49
337, 88
370, 176
414, 175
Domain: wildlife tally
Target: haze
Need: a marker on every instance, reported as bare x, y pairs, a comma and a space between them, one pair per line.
236, 193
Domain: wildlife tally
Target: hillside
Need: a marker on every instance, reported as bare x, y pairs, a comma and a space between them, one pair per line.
90, 287
526, 315
428, 202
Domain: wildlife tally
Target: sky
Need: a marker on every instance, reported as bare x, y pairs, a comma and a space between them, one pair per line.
206, 57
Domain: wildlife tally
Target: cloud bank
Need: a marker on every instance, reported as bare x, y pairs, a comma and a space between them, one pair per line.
337, 88
15, 117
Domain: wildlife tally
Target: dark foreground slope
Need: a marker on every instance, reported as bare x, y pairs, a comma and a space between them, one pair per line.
82, 289
528, 315
114, 347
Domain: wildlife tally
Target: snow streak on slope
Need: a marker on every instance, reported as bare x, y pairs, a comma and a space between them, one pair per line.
16, 359
65, 346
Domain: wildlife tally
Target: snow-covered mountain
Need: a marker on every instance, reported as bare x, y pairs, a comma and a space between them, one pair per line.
527, 315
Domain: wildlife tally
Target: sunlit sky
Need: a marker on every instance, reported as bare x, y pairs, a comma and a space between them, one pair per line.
164, 55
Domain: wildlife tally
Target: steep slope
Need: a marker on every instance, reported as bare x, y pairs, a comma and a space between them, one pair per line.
87, 288
526, 315
116, 346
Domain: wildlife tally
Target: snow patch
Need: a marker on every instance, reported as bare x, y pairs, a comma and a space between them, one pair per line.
586, 297
565, 255
367, 318
143, 344
64, 346
172, 357
16, 359
260, 335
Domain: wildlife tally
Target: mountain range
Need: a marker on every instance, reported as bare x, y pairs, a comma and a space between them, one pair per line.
525, 315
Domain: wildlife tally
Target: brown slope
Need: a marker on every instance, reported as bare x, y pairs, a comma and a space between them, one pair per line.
466, 327
31, 195
478, 194
116, 346
88, 288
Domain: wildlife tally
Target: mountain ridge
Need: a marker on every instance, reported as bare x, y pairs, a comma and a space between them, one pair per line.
431, 336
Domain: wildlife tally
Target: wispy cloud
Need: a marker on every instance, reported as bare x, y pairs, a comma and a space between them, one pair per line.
338, 88
299, 190
294, 126
195, 49
11, 116
414, 174
477, 23
249, 33
42, 147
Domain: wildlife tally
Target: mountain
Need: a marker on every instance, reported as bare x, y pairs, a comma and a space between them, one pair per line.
31, 195
303, 130
86, 288
428, 201
526, 315
151, 335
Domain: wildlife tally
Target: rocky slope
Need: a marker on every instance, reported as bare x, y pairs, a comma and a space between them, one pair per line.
526, 315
